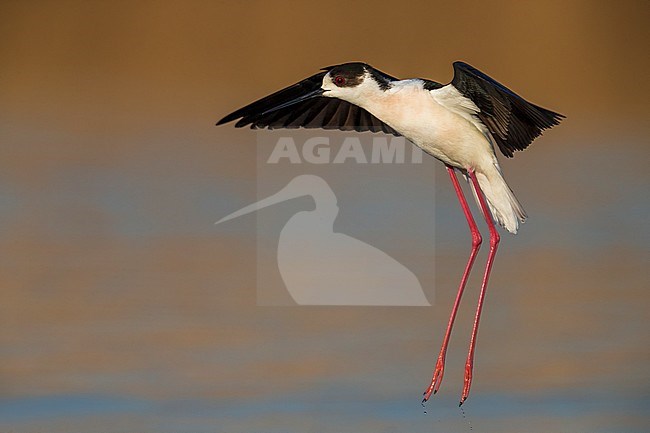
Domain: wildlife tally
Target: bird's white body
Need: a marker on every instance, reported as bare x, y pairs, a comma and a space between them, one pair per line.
442, 122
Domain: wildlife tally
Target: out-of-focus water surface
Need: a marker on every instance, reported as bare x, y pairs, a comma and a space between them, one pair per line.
125, 309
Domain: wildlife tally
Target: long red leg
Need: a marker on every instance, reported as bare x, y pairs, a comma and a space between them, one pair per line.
494, 243
436, 380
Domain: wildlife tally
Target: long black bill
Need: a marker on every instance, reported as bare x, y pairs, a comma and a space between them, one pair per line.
306, 89
310, 95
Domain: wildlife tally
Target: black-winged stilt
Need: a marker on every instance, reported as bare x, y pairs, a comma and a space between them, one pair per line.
460, 124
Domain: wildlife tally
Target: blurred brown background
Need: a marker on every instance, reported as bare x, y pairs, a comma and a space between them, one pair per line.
124, 309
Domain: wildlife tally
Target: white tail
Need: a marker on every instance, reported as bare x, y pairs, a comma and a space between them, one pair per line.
504, 206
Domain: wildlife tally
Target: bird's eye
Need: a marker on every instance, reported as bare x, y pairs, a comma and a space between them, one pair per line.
339, 80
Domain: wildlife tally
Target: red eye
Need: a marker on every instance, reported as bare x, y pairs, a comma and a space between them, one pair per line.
339, 80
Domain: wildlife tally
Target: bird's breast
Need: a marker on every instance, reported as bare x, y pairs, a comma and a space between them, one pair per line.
440, 132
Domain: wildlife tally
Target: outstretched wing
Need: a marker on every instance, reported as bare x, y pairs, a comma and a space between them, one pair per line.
299, 106
513, 122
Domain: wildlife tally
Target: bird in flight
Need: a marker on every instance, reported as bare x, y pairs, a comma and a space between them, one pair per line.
460, 124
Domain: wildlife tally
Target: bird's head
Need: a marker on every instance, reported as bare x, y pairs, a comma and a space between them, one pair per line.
353, 81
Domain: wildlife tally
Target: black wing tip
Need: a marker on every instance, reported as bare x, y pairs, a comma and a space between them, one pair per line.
550, 118
557, 117
462, 63
459, 64
230, 117
509, 146
243, 121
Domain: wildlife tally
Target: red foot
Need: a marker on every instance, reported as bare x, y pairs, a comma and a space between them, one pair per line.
468, 383
436, 380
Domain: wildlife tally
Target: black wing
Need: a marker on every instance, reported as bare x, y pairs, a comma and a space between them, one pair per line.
513, 122
317, 112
